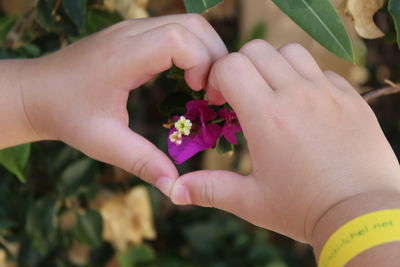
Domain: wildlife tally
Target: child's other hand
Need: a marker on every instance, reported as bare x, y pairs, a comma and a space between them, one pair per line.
313, 142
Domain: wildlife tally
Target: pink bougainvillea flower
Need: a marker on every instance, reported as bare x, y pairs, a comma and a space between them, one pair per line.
193, 132
231, 126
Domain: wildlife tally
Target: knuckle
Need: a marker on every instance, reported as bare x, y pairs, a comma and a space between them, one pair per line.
123, 24
196, 20
119, 27
174, 34
231, 61
274, 122
305, 97
254, 45
330, 73
139, 166
292, 48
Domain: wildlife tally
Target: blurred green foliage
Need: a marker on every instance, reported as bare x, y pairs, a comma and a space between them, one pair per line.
14, 159
196, 6
321, 21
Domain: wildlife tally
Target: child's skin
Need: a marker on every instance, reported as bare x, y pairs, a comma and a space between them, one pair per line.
319, 156
79, 94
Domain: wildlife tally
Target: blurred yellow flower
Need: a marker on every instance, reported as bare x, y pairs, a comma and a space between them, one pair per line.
129, 9
362, 13
3, 257
12, 248
128, 217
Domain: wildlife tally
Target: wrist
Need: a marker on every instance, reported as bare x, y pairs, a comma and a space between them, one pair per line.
35, 81
348, 209
349, 188
16, 127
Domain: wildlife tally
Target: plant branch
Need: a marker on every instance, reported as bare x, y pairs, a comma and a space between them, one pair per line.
393, 88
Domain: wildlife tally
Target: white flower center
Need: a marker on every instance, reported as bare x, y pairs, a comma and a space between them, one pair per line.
176, 137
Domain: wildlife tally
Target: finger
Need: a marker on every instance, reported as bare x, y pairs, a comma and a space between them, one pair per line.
158, 49
220, 189
278, 73
242, 86
301, 61
214, 96
340, 82
195, 23
116, 144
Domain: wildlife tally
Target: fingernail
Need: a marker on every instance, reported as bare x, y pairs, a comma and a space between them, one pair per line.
164, 184
180, 195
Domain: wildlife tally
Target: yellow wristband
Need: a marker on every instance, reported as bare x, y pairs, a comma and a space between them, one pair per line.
360, 234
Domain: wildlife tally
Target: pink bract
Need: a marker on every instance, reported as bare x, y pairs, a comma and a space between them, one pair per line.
231, 127
203, 135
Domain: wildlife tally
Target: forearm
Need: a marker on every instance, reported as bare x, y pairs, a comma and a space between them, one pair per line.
349, 209
15, 126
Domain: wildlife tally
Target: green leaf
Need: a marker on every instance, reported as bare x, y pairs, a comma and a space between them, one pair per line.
42, 222
176, 73
14, 159
76, 11
137, 256
203, 237
320, 20
76, 177
6, 24
360, 52
199, 6
28, 51
223, 146
259, 31
44, 14
394, 10
28, 255
100, 255
88, 228
7, 223
97, 20
7, 53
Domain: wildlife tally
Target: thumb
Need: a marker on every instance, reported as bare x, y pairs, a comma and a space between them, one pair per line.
118, 145
224, 190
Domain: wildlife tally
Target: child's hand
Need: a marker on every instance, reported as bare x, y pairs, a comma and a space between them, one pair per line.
313, 142
79, 94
